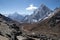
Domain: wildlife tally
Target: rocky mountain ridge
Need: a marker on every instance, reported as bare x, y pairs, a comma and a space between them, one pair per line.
47, 29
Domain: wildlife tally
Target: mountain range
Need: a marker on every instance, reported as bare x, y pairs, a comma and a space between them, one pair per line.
40, 13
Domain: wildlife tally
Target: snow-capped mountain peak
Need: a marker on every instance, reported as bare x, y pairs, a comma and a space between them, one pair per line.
40, 13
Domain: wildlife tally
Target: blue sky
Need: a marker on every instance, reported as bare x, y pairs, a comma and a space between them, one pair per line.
25, 7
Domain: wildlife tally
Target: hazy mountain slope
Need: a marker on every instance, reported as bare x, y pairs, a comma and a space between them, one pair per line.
16, 17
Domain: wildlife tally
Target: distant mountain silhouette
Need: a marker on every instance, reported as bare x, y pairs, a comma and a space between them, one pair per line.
16, 16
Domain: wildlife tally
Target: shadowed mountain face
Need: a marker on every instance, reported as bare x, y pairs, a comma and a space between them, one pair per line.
8, 27
49, 27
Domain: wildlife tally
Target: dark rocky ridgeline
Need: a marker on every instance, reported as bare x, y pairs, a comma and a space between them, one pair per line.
9, 28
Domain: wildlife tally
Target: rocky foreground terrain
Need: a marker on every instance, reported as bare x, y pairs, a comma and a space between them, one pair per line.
8, 28
46, 29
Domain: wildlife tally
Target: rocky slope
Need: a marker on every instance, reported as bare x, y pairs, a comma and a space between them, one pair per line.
8, 28
48, 29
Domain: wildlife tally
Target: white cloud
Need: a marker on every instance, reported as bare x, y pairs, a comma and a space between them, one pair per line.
31, 7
